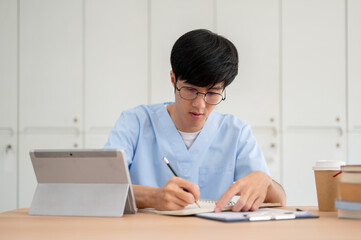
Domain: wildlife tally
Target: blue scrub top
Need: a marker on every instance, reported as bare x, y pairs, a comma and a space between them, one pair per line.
224, 151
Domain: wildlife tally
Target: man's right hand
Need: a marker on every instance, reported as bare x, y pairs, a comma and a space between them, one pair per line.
176, 194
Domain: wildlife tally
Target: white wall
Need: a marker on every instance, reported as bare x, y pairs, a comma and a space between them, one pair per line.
68, 69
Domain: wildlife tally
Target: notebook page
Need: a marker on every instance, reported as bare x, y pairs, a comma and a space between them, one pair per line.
205, 206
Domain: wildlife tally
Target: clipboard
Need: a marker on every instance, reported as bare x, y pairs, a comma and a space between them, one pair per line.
264, 214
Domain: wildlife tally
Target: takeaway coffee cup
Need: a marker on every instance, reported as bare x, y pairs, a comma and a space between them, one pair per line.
327, 183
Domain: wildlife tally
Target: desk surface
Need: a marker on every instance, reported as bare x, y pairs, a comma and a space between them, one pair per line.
17, 224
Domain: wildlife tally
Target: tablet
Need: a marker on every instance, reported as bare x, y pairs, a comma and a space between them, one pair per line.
82, 182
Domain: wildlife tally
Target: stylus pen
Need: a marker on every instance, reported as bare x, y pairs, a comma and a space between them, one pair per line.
165, 160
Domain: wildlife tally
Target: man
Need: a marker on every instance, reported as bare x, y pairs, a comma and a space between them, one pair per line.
215, 155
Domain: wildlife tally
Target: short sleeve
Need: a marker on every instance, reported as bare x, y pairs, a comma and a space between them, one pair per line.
249, 154
124, 135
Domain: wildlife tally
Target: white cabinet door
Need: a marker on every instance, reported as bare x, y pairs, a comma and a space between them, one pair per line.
59, 139
51, 63
313, 63
313, 91
254, 94
96, 138
116, 61
169, 20
354, 148
8, 104
354, 64
8, 64
269, 142
354, 80
302, 148
8, 171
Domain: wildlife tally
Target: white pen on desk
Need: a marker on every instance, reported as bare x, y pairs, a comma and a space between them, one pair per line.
165, 160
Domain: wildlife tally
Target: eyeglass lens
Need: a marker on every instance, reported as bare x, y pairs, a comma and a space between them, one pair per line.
189, 93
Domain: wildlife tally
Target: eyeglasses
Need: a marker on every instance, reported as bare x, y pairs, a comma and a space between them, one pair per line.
189, 93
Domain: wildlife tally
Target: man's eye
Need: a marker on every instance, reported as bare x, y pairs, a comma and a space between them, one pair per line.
192, 90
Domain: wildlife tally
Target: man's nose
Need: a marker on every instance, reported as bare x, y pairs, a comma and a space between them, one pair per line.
199, 101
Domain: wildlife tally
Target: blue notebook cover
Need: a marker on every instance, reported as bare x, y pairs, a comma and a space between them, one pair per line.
348, 205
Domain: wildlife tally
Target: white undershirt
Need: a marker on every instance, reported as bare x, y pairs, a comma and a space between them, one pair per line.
189, 138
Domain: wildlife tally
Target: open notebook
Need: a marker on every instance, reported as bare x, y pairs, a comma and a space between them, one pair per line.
205, 207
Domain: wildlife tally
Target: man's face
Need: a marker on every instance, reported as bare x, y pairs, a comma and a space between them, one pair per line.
191, 115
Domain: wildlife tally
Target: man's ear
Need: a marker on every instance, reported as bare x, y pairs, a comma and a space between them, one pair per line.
172, 77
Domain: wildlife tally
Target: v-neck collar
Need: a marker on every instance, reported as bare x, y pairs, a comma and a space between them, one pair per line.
173, 147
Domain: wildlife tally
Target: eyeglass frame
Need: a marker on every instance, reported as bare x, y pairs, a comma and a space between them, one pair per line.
223, 98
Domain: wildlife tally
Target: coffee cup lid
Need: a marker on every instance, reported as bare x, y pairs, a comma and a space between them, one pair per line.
328, 165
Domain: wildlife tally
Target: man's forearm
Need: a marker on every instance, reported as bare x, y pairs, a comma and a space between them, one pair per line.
144, 196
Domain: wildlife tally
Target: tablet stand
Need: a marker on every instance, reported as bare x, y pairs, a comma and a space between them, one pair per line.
80, 199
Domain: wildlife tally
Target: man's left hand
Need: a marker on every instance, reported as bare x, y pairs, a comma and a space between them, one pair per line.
252, 190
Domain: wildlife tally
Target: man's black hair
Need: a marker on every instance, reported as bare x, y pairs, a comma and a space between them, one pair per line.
204, 59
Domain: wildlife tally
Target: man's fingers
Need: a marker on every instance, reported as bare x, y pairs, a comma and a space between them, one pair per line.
248, 203
185, 196
225, 198
245, 202
252, 190
186, 192
176, 204
257, 204
181, 203
188, 187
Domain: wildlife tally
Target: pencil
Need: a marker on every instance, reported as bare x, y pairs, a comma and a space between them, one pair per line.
165, 160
